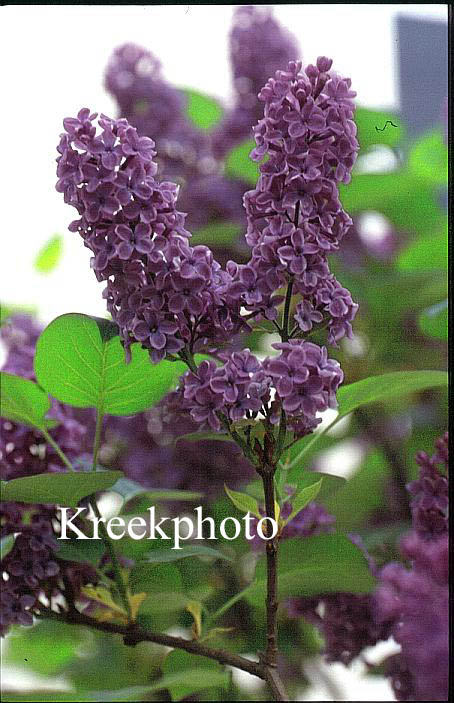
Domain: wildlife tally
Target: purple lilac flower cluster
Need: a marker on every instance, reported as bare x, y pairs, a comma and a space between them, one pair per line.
345, 620
295, 218
31, 568
259, 46
176, 299
415, 602
161, 291
239, 388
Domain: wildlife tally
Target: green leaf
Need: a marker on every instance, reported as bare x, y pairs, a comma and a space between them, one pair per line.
393, 195
434, 321
129, 489
6, 545
155, 578
427, 253
313, 565
244, 503
81, 550
58, 488
217, 234
203, 110
159, 556
189, 681
303, 497
24, 401
50, 254
80, 361
380, 388
179, 673
428, 158
370, 390
49, 646
239, 165
362, 494
370, 125
330, 484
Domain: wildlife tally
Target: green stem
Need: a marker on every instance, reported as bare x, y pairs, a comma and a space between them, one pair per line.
59, 451
188, 358
281, 436
226, 606
285, 316
105, 537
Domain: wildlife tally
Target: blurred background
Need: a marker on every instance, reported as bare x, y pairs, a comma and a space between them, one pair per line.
394, 260
54, 58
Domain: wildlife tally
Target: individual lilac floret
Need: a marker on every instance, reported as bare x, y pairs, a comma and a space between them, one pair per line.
259, 46
160, 291
430, 502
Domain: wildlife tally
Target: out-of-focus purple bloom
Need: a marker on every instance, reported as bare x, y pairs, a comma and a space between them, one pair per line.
430, 492
259, 46
416, 602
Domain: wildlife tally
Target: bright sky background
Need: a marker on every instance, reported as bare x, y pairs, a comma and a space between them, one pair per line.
53, 59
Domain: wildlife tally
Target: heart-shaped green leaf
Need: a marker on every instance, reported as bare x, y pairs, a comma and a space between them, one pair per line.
80, 361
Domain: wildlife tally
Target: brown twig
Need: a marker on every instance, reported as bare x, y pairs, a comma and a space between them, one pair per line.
133, 634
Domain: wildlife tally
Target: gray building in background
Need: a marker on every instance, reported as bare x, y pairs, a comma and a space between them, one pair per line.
423, 72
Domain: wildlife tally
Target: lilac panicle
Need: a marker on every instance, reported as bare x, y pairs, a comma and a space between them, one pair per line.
295, 218
430, 492
161, 291
157, 110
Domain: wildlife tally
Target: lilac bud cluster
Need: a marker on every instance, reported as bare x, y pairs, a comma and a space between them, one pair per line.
295, 218
415, 602
160, 291
259, 46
